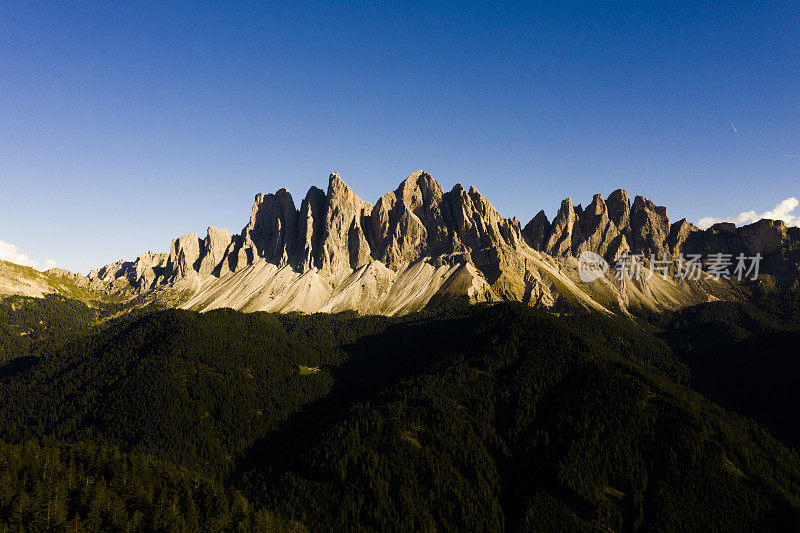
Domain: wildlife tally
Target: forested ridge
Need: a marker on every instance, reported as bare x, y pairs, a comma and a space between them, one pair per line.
480, 418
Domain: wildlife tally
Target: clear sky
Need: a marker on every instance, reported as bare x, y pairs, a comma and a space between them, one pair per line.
125, 124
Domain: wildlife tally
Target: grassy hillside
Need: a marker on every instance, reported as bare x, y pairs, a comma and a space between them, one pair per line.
26, 281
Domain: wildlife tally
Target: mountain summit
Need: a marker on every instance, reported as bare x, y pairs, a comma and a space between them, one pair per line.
419, 243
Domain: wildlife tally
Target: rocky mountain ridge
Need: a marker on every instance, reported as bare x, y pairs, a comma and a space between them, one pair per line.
418, 242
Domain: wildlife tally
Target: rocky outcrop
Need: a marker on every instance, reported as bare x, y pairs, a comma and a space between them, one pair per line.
679, 233
649, 227
309, 227
337, 251
343, 244
559, 242
536, 231
337, 230
407, 222
614, 227
129, 277
147, 268
272, 229
474, 223
214, 247
598, 233
766, 237
619, 211
184, 256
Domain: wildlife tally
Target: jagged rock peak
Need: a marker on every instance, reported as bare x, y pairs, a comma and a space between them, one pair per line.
309, 228
563, 231
184, 255
650, 227
213, 250
338, 244
408, 221
338, 189
598, 233
537, 230
619, 209
344, 244
419, 187
272, 228
475, 223
679, 233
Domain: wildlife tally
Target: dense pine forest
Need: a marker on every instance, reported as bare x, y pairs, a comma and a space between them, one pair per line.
479, 418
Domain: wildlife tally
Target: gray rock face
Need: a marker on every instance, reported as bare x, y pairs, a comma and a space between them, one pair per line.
111, 271
598, 233
343, 243
474, 223
214, 247
309, 228
765, 237
147, 269
536, 231
406, 222
129, 276
649, 227
564, 231
679, 233
184, 256
619, 211
614, 227
79, 280
273, 227
336, 232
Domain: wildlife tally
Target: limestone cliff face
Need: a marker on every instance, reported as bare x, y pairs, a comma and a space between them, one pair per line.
337, 230
564, 231
408, 221
420, 220
649, 227
615, 226
343, 244
619, 211
214, 247
272, 229
598, 233
129, 276
475, 224
679, 233
536, 231
184, 256
309, 228
766, 237
337, 251
335, 234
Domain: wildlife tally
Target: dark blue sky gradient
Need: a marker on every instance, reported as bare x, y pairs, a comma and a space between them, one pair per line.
124, 126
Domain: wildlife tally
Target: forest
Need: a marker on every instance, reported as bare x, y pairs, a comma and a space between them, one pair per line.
495, 417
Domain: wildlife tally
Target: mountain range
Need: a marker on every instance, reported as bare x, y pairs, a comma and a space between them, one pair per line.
418, 244
556, 402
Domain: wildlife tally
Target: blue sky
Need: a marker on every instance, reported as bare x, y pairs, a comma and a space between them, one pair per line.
124, 126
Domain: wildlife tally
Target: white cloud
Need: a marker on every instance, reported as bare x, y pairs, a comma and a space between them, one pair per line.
782, 211
10, 252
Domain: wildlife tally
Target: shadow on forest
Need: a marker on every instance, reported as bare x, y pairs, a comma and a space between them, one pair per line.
756, 378
15, 366
374, 363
